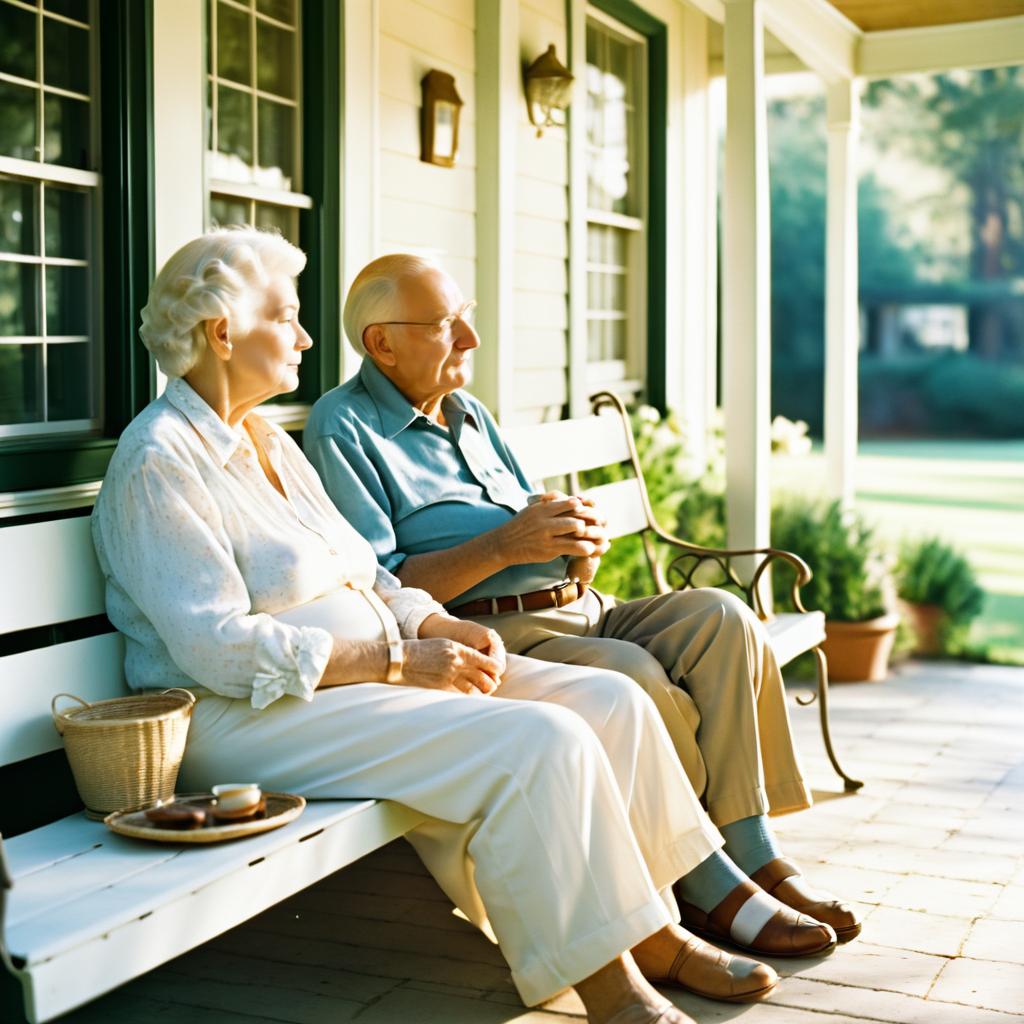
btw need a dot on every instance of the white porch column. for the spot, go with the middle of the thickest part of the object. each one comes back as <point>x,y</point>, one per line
<point>746,342</point>
<point>841,302</point>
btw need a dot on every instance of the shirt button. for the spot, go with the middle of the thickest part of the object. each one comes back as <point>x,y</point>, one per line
<point>333,552</point>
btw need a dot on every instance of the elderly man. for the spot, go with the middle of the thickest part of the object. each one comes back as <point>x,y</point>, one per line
<point>419,467</point>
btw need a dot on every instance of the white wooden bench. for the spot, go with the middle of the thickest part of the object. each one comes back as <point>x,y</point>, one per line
<point>83,910</point>
<point>87,910</point>
<point>571,447</point>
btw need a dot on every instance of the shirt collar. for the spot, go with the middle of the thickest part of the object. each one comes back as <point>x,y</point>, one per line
<point>396,413</point>
<point>221,439</point>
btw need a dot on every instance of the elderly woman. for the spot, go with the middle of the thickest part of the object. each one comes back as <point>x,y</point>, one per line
<point>556,807</point>
<point>418,466</point>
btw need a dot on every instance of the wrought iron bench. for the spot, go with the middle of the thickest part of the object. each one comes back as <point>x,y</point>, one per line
<point>571,447</point>
<point>83,910</point>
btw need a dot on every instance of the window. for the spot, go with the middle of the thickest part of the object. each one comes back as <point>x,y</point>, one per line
<point>616,122</point>
<point>273,134</point>
<point>255,114</point>
<point>50,361</point>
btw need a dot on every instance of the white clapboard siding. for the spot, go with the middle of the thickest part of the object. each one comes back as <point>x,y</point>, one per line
<point>92,669</point>
<point>403,65</point>
<point>428,30</point>
<point>554,449</point>
<point>79,944</point>
<point>540,389</point>
<point>548,275</point>
<point>49,574</point>
<point>540,309</point>
<point>541,237</point>
<point>455,188</point>
<point>621,504</point>
<point>540,349</point>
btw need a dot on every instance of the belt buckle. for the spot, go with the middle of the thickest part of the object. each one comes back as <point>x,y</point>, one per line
<point>556,591</point>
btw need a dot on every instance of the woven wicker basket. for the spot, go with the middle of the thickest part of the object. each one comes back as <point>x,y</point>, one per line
<point>125,752</point>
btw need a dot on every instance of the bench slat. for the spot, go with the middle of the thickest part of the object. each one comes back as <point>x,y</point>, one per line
<point>621,504</point>
<point>92,669</point>
<point>103,959</point>
<point>54,569</point>
<point>553,449</point>
<point>55,909</point>
<point>792,633</point>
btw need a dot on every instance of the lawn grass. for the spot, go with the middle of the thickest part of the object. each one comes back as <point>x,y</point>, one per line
<point>970,493</point>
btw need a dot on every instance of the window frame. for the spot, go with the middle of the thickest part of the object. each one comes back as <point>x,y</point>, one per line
<point>123,218</point>
<point>655,151</point>
<point>318,204</point>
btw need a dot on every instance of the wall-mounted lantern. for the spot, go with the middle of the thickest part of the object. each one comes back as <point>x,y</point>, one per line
<point>439,119</point>
<point>548,90</point>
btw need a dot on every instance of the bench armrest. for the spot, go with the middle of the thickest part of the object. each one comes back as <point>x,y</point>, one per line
<point>684,566</point>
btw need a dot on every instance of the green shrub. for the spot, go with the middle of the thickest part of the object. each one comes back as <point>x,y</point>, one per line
<point>930,571</point>
<point>850,578</point>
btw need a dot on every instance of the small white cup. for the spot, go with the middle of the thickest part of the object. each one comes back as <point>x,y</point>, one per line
<point>236,796</point>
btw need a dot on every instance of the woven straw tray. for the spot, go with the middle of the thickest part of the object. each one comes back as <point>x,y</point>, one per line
<point>281,809</point>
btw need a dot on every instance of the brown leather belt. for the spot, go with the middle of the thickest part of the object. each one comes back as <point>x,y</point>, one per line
<point>556,597</point>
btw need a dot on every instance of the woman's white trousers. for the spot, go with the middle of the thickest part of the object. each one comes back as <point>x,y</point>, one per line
<point>557,807</point>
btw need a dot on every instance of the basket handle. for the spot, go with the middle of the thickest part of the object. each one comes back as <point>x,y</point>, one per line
<point>58,715</point>
<point>180,689</point>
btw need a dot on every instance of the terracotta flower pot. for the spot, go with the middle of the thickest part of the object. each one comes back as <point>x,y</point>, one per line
<point>859,651</point>
<point>927,621</point>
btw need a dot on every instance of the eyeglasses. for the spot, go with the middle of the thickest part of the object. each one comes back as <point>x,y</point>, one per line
<point>465,313</point>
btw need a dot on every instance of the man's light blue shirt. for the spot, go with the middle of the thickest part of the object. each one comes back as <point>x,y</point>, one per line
<point>410,486</point>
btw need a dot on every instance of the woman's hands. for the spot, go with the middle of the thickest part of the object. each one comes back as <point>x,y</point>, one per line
<point>456,655</point>
<point>554,524</point>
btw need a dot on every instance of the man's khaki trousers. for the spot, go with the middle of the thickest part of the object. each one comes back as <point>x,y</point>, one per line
<point>704,658</point>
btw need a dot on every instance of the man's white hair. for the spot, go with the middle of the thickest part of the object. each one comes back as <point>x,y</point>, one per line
<point>220,273</point>
<point>373,297</point>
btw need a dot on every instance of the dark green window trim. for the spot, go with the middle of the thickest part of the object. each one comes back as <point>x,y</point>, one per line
<point>656,33</point>
<point>125,34</point>
<point>320,228</point>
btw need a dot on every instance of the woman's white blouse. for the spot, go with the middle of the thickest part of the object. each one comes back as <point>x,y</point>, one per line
<point>201,553</point>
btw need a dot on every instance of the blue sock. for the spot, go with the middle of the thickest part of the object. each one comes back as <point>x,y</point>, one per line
<point>710,882</point>
<point>750,842</point>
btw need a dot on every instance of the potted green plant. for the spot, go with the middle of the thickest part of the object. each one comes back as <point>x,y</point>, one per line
<point>851,584</point>
<point>940,591</point>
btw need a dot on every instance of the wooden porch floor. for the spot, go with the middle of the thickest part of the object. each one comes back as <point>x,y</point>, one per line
<point>933,848</point>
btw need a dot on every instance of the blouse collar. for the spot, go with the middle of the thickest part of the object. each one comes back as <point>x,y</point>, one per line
<point>221,439</point>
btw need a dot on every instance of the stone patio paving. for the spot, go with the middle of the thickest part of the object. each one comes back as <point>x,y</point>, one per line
<point>932,848</point>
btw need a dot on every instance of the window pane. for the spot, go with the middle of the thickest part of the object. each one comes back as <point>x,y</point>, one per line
<point>65,56</point>
<point>68,382</point>
<point>19,299</point>
<point>277,144</point>
<point>595,340</point>
<point>17,217</point>
<point>67,222</point>
<point>234,123</point>
<point>225,210</point>
<point>283,218</point>
<point>275,65</point>
<point>233,44</point>
<point>17,42</point>
<point>67,300</point>
<point>606,291</point>
<point>66,131</point>
<point>77,9</point>
<point>21,378</point>
<point>282,10</point>
<point>18,121</point>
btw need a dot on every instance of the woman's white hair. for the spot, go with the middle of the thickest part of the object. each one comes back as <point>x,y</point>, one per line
<point>218,274</point>
<point>373,297</point>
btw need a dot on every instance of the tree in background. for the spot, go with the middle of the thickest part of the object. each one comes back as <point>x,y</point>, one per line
<point>971,124</point>
<point>797,156</point>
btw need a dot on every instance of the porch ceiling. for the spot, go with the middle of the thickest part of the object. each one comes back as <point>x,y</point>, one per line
<point>878,15</point>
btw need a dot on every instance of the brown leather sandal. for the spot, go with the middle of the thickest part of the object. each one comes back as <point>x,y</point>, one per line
<point>750,920</point>
<point>783,880</point>
<point>708,971</point>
